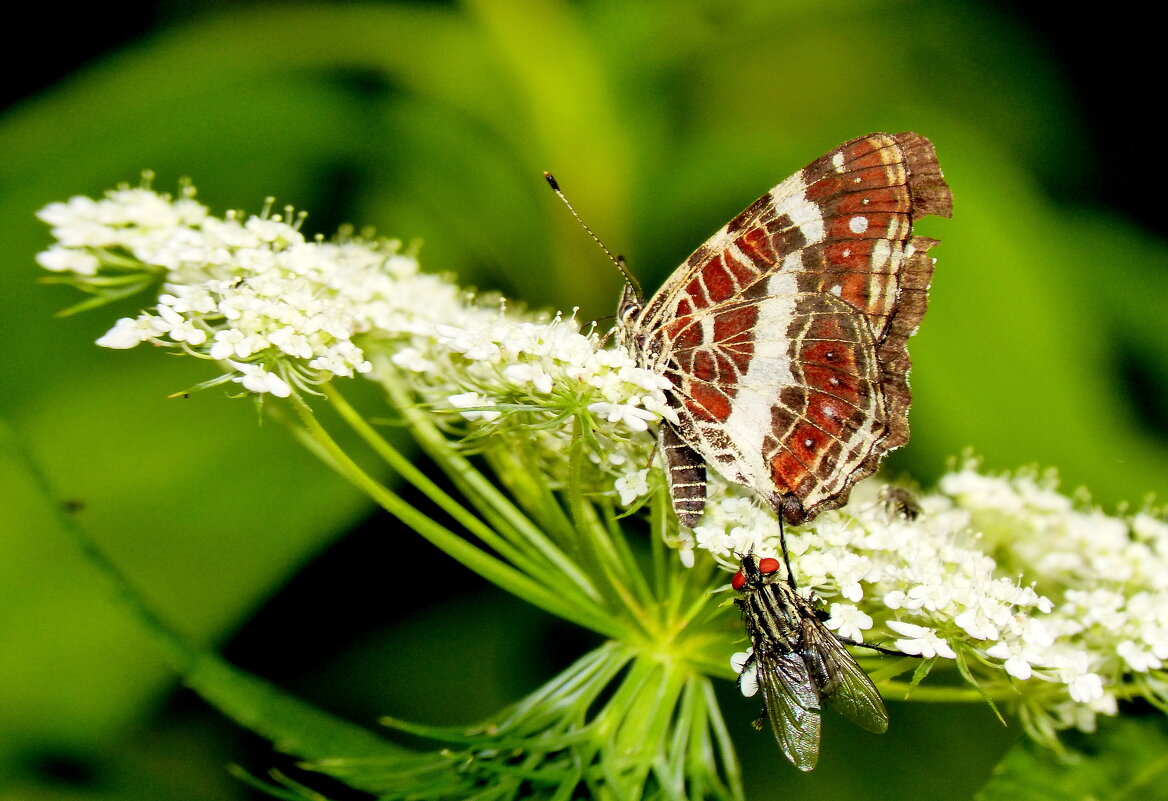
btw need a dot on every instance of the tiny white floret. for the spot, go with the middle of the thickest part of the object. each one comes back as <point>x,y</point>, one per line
<point>920,641</point>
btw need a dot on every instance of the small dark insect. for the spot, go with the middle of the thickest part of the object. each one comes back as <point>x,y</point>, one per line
<point>899,502</point>
<point>799,662</point>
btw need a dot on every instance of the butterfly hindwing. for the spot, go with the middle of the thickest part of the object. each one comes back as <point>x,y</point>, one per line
<point>784,335</point>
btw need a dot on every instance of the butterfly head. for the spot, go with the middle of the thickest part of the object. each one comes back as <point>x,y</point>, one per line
<point>627,310</point>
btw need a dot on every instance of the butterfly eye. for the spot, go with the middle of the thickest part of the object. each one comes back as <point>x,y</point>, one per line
<point>767,566</point>
<point>738,581</point>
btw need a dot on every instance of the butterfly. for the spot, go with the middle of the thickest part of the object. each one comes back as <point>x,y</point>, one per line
<point>798,662</point>
<point>784,336</point>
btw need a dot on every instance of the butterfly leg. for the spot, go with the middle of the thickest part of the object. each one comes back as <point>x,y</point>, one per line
<point>786,555</point>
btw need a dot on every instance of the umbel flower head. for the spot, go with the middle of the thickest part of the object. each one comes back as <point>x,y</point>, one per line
<point>1054,608</point>
<point>1044,606</point>
<point>277,311</point>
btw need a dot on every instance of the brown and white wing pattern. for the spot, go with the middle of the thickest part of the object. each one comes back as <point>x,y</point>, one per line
<point>785,334</point>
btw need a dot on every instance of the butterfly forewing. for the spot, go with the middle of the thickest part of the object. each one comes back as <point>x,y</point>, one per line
<point>784,335</point>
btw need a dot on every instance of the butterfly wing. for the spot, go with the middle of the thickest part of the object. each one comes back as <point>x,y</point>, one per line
<point>784,335</point>
<point>792,705</point>
<point>840,680</point>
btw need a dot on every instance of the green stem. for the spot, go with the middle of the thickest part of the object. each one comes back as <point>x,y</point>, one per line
<point>532,550</point>
<point>470,482</point>
<point>177,653</point>
<point>416,478</point>
<point>597,547</point>
<point>900,691</point>
<point>487,566</point>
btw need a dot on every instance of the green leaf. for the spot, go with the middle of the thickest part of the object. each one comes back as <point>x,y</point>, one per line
<point>1126,759</point>
<point>293,726</point>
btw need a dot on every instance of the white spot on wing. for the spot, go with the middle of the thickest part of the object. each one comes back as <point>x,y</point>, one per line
<point>858,225</point>
<point>783,282</point>
<point>837,161</point>
<point>792,263</point>
<point>789,198</point>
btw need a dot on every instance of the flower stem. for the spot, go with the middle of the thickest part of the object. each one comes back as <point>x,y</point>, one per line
<point>489,567</point>
<point>532,550</point>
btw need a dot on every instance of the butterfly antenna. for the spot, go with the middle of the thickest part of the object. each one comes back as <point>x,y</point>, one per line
<point>619,261</point>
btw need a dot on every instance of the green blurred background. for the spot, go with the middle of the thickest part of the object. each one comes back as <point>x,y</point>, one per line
<point>1044,343</point>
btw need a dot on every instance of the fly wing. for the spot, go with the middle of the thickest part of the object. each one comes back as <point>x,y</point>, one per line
<point>792,706</point>
<point>843,682</point>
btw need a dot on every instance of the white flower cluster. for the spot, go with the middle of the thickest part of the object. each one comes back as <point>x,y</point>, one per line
<point>499,360</point>
<point>250,293</point>
<point>494,368</point>
<point>1004,569</point>
<point>279,311</point>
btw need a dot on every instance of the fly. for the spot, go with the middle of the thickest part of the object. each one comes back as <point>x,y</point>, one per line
<point>798,662</point>
<point>899,502</point>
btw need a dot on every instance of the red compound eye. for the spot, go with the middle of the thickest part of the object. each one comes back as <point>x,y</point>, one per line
<point>768,565</point>
<point>738,581</point>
